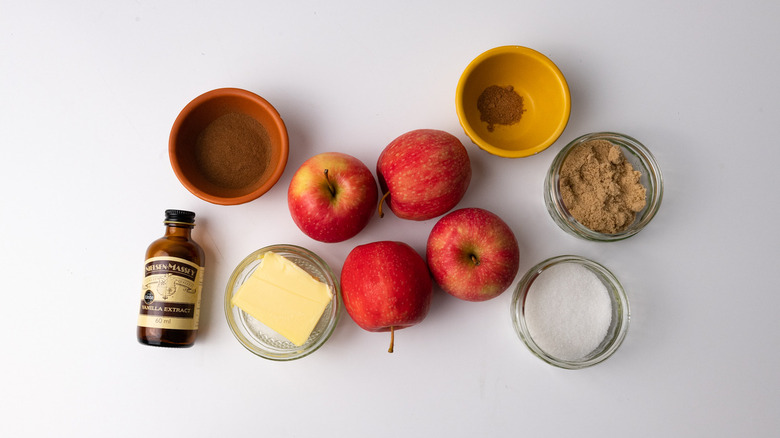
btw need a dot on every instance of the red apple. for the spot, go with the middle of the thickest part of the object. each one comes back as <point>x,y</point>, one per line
<point>332,196</point>
<point>386,286</point>
<point>423,173</point>
<point>473,254</point>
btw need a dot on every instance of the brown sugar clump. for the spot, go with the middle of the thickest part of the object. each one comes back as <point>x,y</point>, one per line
<point>500,106</point>
<point>600,188</point>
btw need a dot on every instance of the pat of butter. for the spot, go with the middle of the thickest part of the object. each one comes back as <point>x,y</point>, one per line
<point>284,297</point>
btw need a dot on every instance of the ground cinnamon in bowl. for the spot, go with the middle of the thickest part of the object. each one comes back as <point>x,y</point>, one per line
<point>499,105</point>
<point>233,151</point>
<point>228,146</point>
<point>600,188</point>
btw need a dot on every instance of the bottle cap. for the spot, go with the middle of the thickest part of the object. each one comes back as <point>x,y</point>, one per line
<point>179,216</point>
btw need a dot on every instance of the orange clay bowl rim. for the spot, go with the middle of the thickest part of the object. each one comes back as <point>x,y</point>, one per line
<point>277,124</point>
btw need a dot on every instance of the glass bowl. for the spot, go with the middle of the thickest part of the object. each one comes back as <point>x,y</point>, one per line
<point>640,158</point>
<point>256,336</point>
<point>615,331</point>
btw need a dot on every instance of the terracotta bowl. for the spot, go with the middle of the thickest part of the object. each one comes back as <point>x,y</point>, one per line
<point>189,165</point>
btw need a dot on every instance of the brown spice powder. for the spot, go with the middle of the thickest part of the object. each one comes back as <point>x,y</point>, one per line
<point>233,151</point>
<point>600,188</point>
<point>500,106</point>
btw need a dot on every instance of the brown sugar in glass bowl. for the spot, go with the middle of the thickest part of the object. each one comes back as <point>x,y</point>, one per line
<point>228,146</point>
<point>641,161</point>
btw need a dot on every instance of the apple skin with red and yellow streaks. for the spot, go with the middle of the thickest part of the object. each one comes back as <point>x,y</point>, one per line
<point>426,173</point>
<point>336,205</point>
<point>386,284</point>
<point>473,254</point>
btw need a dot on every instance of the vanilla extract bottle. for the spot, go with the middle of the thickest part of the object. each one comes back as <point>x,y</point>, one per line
<point>173,277</point>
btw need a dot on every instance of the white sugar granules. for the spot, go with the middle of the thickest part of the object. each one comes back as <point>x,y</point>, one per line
<point>568,311</point>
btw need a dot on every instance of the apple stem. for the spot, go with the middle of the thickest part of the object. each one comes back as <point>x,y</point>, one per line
<point>392,339</point>
<point>474,260</point>
<point>381,214</point>
<point>330,186</point>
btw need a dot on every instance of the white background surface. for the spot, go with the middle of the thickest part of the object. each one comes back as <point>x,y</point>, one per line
<point>90,89</point>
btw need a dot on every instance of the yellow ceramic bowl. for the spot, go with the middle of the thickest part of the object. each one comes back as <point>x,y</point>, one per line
<point>545,93</point>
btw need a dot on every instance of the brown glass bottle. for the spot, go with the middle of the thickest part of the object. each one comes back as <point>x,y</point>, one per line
<point>173,275</point>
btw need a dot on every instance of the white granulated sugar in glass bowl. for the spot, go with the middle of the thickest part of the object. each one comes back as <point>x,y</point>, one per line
<point>568,311</point>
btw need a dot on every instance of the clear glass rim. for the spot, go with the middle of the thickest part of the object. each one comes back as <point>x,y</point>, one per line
<point>637,154</point>
<point>618,329</point>
<point>311,345</point>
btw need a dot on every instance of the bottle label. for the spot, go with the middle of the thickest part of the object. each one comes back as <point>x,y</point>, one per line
<point>170,296</point>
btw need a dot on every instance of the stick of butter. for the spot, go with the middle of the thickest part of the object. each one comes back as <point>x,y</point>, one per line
<point>284,297</point>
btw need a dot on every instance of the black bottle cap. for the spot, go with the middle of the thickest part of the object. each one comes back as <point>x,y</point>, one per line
<point>180,216</point>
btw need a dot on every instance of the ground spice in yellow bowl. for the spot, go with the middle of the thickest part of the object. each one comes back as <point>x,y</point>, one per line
<point>512,101</point>
<point>500,106</point>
